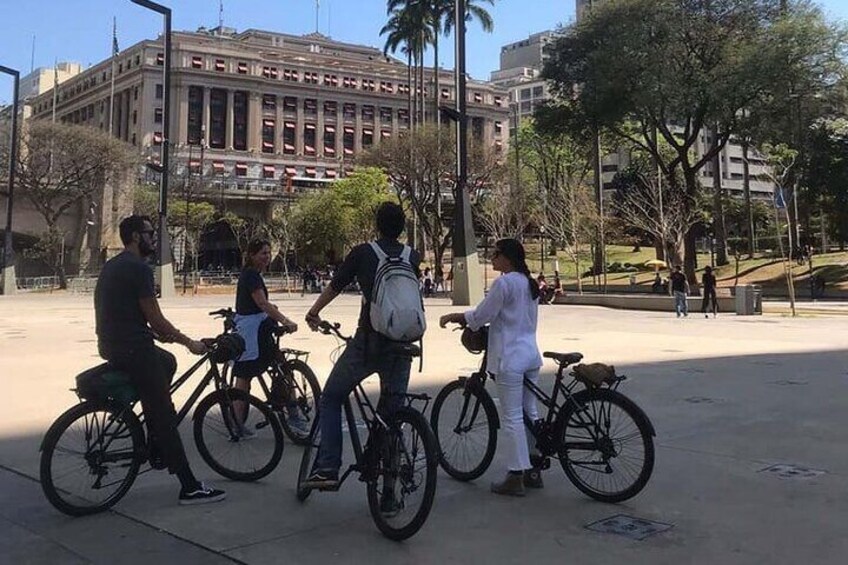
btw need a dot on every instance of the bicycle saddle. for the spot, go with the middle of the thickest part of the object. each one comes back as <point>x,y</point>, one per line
<point>564,358</point>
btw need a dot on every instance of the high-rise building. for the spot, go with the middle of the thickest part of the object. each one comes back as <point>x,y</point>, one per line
<point>42,79</point>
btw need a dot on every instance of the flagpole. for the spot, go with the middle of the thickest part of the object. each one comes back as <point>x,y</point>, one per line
<point>55,87</point>
<point>112,90</point>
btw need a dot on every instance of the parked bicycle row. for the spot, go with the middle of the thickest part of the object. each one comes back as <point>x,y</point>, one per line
<point>262,391</point>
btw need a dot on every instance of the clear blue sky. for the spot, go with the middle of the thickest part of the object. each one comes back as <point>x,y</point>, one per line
<point>80,30</point>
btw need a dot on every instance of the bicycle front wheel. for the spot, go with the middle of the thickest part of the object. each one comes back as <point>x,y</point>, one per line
<point>402,474</point>
<point>465,422</point>
<point>90,457</point>
<point>298,402</point>
<point>237,435</point>
<point>606,445</point>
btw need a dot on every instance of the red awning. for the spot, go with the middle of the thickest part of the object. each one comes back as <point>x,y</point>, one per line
<point>268,123</point>
<point>268,144</point>
<point>368,131</point>
<point>348,151</point>
<point>310,126</point>
<point>330,173</point>
<point>289,147</point>
<point>329,150</point>
<point>218,166</point>
<point>330,129</point>
<point>291,171</point>
<point>157,137</point>
<point>310,171</point>
<point>309,149</point>
<point>268,168</point>
<point>194,164</point>
<point>348,130</point>
<point>241,166</point>
<point>385,134</point>
<point>291,125</point>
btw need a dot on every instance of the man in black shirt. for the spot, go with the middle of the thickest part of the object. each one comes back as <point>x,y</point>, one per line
<point>127,317</point>
<point>708,282</point>
<point>367,353</point>
<point>680,289</point>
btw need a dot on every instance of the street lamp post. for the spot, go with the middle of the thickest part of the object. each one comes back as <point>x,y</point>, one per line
<point>165,269</point>
<point>542,238</point>
<point>9,286</point>
<point>466,271</point>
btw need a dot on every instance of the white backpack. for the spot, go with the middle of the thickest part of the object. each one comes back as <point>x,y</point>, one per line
<point>397,310</point>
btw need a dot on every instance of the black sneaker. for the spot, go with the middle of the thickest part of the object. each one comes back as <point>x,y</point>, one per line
<point>202,495</point>
<point>390,506</point>
<point>322,479</point>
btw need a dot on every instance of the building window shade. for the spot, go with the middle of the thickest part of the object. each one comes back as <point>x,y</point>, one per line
<point>310,172</point>
<point>330,173</point>
<point>197,62</point>
<point>218,167</point>
<point>220,65</point>
<point>242,68</point>
<point>268,171</point>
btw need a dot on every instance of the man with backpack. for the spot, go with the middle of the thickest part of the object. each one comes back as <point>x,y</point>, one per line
<point>392,312</point>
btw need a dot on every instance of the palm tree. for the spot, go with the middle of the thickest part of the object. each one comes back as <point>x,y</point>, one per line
<point>407,27</point>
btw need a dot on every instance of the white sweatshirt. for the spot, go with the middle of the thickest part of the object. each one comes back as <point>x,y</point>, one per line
<point>512,315</point>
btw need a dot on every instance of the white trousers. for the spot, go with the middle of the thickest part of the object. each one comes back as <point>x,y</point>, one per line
<point>515,401</point>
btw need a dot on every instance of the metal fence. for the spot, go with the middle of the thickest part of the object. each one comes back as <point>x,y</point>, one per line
<point>85,284</point>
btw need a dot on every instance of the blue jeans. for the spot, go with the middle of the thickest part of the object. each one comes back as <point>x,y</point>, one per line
<point>681,305</point>
<point>361,358</point>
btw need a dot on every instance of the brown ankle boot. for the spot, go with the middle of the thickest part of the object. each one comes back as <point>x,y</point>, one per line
<point>512,485</point>
<point>533,478</point>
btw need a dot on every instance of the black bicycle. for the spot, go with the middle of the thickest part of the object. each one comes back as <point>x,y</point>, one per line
<point>289,385</point>
<point>92,453</point>
<point>603,440</point>
<point>399,460</point>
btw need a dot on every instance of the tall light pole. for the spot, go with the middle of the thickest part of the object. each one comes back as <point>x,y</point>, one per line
<point>466,272</point>
<point>9,286</point>
<point>165,269</point>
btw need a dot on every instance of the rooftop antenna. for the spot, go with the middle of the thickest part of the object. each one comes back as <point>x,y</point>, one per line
<point>32,60</point>
<point>317,15</point>
<point>220,16</point>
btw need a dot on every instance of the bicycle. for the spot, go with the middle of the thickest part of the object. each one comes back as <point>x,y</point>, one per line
<point>294,390</point>
<point>399,460</point>
<point>92,454</point>
<point>581,428</point>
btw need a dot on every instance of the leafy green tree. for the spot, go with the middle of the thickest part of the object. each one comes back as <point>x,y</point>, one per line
<point>826,176</point>
<point>651,70</point>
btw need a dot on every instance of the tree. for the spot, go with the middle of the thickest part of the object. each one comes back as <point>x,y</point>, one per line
<point>826,176</point>
<point>421,168</point>
<point>672,68</point>
<point>62,166</point>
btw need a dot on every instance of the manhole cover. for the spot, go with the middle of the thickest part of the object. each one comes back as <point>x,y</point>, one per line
<point>788,471</point>
<point>787,382</point>
<point>700,400</point>
<point>628,526</point>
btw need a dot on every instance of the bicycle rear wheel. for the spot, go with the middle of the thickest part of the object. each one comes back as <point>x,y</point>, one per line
<point>606,445</point>
<point>244,451</point>
<point>298,402</point>
<point>402,478</point>
<point>90,457</point>
<point>310,453</point>
<point>465,423</point>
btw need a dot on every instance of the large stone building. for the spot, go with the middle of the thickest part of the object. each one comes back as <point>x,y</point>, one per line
<point>42,79</point>
<point>262,115</point>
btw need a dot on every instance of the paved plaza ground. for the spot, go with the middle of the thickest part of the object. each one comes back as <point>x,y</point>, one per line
<point>729,397</point>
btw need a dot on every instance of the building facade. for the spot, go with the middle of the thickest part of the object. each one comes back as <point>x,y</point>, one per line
<point>42,79</point>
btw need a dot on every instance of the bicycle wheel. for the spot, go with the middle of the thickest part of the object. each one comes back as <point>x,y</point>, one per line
<point>465,422</point>
<point>90,457</point>
<point>241,452</point>
<point>402,475</point>
<point>606,445</point>
<point>300,392</point>
<point>310,453</point>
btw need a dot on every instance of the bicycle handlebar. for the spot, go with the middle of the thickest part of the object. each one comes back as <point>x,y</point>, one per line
<point>223,313</point>
<point>327,328</point>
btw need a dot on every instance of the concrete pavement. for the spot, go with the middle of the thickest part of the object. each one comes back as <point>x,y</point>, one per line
<point>730,397</point>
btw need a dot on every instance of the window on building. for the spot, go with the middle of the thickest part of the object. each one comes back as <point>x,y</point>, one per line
<point>289,104</point>
<point>159,91</point>
<point>385,134</point>
<point>478,98</point>
<point>270,72</point>
<point>135,93</point>
<point>368,113</point>
<point>385,115</point>
<point>498,128</point>
<point>242,68</point>
<point>291,74</point>
<point>349,111</point>
<point>269,102</point>
<point>538,91</point>
<point>310,106</point>
<point>157,138</point>
<point>331,109</point>
<point>526,93</point>
<point>498,101</point>
<point>477,128</point>
<point>217,118</point>
<point>403,117</point>
<point>160,59</point>
<point>137,60</point>
<point>348,140</point>
<point>330,141</point>
<point>445,93</point>
<point>197,62</point>
<point>241,169</point>
<point>268,171</point>
<point>195,115</point>
<point>367,137</point>
<point>309,139</point>
<point>240,120</point>
<point>289,133</point>
<point>157,116</point>
<point>220,65</point>
<point>498,145</point>
<point>350,82</point>
<point>269,132</point>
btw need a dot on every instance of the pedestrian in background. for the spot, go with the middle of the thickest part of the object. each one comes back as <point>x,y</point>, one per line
<point>708,282</point>
<point>680,290</point>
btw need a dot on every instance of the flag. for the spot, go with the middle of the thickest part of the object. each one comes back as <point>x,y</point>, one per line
<point>115,48</point>
<point>779,198</point>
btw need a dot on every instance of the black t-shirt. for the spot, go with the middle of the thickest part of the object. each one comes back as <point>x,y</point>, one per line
<point>708,281</point>
<point>678,282</point>
<point>249,280</point>
<point>361,265</point>
<point>120,323</point>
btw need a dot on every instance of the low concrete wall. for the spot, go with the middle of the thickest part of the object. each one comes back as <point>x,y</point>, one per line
<point>651,302</point>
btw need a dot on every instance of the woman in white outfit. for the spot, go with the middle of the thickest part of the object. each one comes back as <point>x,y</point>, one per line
<point>511,308</point>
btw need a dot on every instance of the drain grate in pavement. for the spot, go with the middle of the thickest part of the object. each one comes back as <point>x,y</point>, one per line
<point>789,382</point>
<point>628,526</point>
<point>700,400</point>
<point>789,471</point>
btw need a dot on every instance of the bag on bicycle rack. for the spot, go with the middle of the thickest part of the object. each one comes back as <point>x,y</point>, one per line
<point>102,382</point>
<point>594,375</point>
<point>228,347</point>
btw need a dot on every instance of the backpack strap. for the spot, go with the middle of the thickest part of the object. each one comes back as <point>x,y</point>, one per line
<point>378,251</point>
<point>406,254</point>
